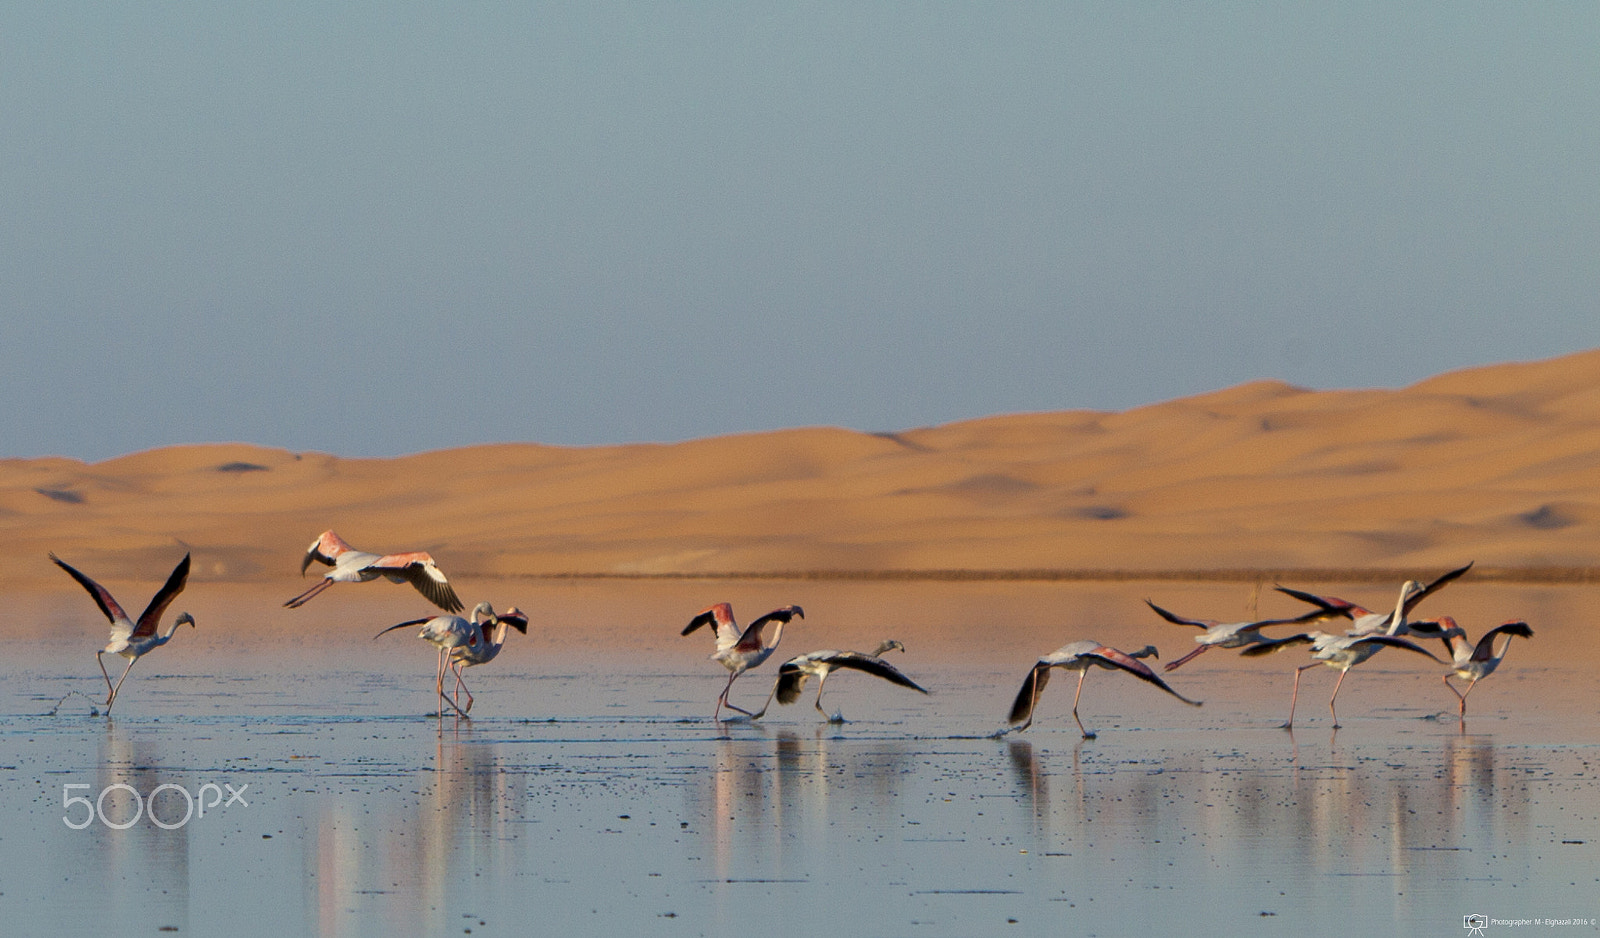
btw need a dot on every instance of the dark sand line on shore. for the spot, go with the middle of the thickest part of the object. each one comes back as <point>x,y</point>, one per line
<point>1533,575</point>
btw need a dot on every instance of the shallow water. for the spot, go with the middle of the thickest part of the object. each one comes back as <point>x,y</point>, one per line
<point>593,794</point>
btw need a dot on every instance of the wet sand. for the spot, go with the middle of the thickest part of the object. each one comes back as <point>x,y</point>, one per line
<point>592,792</point>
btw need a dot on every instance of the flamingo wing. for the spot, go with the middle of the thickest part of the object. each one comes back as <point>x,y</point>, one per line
<point>1394,642</point>
<point>404,624</point>
<point>1137,668</point>
<point>1438,584</point>
<point>872,665</point>
<point>419,569</point>
<point>750,639</point>
<point>1485,648</point>
<point>713,616</point>
<point>1329,605</point>
<point>1032,687</point>
<point>1312,616</point>
<point>151,617</point>
<point>791,681</point>
<point>1268,647</point>
<point>121,625</point>
<point>1176,619</point>
<point>515,618</point>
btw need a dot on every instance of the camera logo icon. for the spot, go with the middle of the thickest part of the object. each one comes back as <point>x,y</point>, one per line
<point>1474,924</point>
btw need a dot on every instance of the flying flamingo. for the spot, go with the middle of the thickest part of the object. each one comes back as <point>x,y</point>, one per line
<point>1366,622</point>
<point>1228,634</point>
<point>1340,652</point>
<point>133,641</point>
<point>1080,656</point>
<point>491,637</point>
<point>1475,662</point>
<point>358,566</point>
<point>448,633</point>
<point>739,651</point>
<point>792,674</point>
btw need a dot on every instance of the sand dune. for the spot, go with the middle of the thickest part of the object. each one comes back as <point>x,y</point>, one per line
<point>1500,465</point>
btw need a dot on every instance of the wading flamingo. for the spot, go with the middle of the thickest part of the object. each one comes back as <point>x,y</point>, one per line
<point>447,633</point>
<point>1366,622</point>
<point>358,566</point>
<point>1228,634</point>
<point>739,651</point>
<point>1080,657</point>
<point>792,674</point>
<point>128,639</point>
<point>491,637</point>
<point>1340,652</point>
<point>1471,662</point>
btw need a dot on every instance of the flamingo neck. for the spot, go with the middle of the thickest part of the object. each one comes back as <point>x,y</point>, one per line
<point>1399,618</point>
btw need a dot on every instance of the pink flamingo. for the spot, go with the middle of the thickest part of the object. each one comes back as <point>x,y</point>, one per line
<point>792,674</point>
<point>491,637</point>
<point>1474,662</point>
<point>358,566</point>
<point>1366,622</point>
<point>1340,652</point>
<point>1080,657</point>
<point>448,633</point>
<point>739,651</point>
<point>129,639</point>
<point>1227,634</point>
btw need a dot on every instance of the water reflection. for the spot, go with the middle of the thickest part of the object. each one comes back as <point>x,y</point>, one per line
<point>609,820</point>
<point>1428,816</point>
<point>143,861</point>
<point>409,870</point>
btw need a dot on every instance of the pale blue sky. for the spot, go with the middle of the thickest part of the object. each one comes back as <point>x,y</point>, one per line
<point>374,229</point>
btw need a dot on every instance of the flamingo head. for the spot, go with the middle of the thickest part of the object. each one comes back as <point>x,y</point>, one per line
<point>888,646</point>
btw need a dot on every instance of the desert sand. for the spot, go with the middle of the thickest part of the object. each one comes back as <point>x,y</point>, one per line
<point>1500,465</point>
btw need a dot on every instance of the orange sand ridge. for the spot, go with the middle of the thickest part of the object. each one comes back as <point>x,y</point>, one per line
<point>1499,464</point>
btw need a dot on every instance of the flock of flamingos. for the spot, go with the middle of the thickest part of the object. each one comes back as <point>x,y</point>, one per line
<point>466,642</point>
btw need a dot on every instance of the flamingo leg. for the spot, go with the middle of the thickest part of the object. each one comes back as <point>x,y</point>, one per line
<point>1179,663</point>
<point>1295,698</point>
<point>102,663</point>
<point>1463,696</point>
<point>821,681</point>
<point>462,686</point>
<point>1081,675</point>
<point>114,690</point>
<point>722,698</point>
<point>733,706</point>
<point>307,596</point>
<point>1336,696</point>
<point>770,694</point>
<point>438,684</point>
